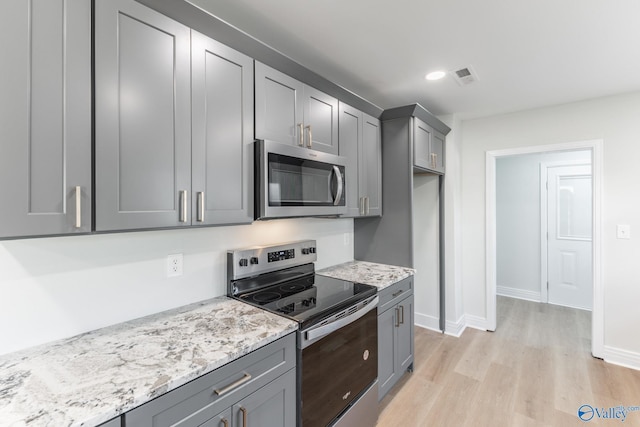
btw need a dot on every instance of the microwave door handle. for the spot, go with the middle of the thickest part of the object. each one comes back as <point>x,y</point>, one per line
<point>338,175</point>
<point>324,330</point>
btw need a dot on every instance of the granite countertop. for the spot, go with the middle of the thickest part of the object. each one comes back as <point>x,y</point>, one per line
<point>370,273</point>
<point>94,377</point>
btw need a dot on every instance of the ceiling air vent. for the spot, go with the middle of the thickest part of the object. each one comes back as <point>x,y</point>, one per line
<point>465,76</point>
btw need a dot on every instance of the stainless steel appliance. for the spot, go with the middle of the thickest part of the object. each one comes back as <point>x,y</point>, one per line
<point>294,181</point>
<point>337,339</point>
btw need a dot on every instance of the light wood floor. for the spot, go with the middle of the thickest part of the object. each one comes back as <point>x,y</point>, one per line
<point>535,370</point>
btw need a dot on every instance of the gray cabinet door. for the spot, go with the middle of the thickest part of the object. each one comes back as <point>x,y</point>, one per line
<point>142,118</point>
<point>272,405</point>
<point>278,106</point>
<point>45,118</point>
<point>370,166</point>
<point>116,422</point>
<point>320,120</point>
<point>437,148</point>
<point>428,147</point>
<point>405,333</point>
<point>222,133</point>
<point>350,137</point>
<point>386,351</point>
<point>421,144</point>
<point>223,419</point>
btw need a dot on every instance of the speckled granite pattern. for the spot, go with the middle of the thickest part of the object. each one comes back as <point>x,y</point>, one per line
<point>91,378</point>
<point>380,275</point>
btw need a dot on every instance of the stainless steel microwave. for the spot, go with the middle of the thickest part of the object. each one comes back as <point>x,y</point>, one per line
<point>295,181</point>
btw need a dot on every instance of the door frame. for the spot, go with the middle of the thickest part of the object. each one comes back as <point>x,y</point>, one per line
<point>597,314</point>
<point>544,262</point>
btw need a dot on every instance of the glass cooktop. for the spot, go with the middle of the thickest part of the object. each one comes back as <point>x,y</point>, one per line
<point>309,298</point>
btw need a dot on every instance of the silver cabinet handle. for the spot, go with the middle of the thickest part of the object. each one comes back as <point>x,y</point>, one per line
<point>336,171</point>
<point>225,423</point>
<point>402,314</point>
<point>300,134</point>
<point>366,201</point>
<point>183,206</point>
<point>397,317</point>
<point>220,391</point>
<point>310,140</point>
<point>395,294</point>
<point>200,217</point>
<point>78,206</point>
<point>244,416</point>
<point>361,205</point>
<point>434,157</point>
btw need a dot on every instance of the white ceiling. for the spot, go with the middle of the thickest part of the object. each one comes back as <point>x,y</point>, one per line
<point>527,54</point>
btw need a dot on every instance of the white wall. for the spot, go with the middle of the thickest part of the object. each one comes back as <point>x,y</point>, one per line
<point>615,121</point>
<point>54,288</point>
<point>518,221</point>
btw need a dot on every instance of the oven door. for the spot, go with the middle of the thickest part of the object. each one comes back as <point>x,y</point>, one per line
<point>295,181</point>
<point>338,367</point>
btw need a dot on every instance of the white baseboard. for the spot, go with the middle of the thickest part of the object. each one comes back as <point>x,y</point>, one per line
<point>427,322</point>
<point>617,356</point>
<point>455,329</point>
<point>476,322</point>
<point>518,293</point>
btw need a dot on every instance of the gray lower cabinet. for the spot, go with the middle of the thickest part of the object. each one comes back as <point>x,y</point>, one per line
<point>395,334</point>
<point>173,123</point>
<point>116,422</point>
<point>258,389</point>
<point>45,118</point>
<point>360,143</point>
<point>294,113</point>
<point>428,148</point>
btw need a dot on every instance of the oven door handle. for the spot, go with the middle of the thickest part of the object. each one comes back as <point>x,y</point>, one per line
<point>321,331</point>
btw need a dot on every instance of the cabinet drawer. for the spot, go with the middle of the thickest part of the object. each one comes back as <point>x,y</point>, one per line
<point>394,293</point>
<point>203,398</point>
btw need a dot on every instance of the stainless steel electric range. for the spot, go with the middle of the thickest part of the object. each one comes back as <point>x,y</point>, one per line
<point>337,338</point>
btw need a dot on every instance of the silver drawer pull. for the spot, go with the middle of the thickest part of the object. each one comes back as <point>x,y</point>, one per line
<point>244,416</point>
<point>244,379</point>
<point>78,207</point>
<point>395,294</point>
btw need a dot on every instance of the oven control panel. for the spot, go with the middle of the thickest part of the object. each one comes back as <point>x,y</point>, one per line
<point>281,255</point>
<point>247,262</point>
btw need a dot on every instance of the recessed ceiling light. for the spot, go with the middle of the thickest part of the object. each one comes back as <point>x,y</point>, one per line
<point>435,75</point>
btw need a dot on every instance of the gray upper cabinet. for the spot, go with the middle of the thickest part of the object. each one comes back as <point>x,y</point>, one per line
<point>359,136</point>
<point>370,166</point>
<point>45,118</point>
<point>222,133</point>
<point>291,112</point>
<point>278,106</point>
<point>143,118</point>
<point>174,123</point>
<point>428,148</point>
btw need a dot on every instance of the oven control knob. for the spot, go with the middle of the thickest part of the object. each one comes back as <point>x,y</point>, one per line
<point>312,250</point>
<point>244,262</point>
<point>254,260</point>
<point>305,251</point>
<point>306,302</point>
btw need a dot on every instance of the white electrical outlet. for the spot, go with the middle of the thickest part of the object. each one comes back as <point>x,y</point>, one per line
<point>174,265</point>
<point>623,231</point>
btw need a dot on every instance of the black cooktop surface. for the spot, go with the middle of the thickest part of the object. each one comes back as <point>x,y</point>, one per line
<point>309,298</point>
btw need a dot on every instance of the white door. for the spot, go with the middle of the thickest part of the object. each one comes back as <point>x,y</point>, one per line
<point>569,219</point>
